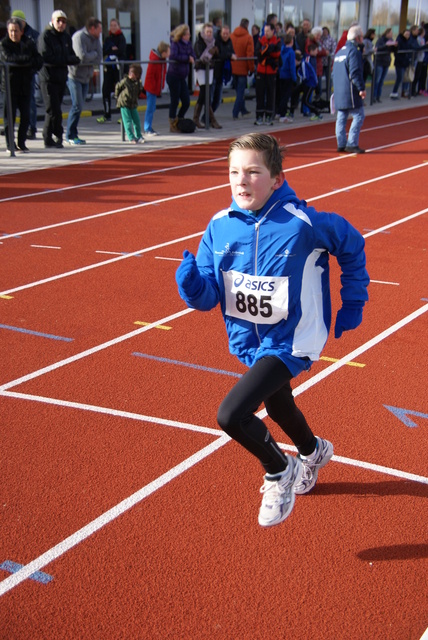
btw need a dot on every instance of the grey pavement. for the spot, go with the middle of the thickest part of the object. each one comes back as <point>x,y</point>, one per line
<point>105,140</point>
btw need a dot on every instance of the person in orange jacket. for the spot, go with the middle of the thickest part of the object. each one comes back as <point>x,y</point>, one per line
<point>243,45</point>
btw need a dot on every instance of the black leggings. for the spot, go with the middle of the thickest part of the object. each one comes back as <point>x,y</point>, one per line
<point>267,381</point>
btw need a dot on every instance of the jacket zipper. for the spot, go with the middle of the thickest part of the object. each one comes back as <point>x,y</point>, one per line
<point>257,228</point>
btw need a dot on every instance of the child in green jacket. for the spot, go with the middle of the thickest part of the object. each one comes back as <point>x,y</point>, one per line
<point>127,92</point>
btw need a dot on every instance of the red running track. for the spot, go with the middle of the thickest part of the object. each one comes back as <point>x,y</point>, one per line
<point>117,485</point>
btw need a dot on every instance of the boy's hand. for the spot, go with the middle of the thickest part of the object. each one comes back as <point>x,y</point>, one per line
<point>187,275</point>
<point>348,317</point>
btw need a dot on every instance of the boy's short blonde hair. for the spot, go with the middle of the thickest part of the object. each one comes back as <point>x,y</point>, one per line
<point>163,46</point>
<point>272,152</point>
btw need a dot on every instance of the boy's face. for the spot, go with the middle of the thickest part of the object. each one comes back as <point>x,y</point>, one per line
<point>250,179</point>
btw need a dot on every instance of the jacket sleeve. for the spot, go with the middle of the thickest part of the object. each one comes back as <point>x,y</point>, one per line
<point>209,296</point>
<point>344,242</point>
<point>355,69</point>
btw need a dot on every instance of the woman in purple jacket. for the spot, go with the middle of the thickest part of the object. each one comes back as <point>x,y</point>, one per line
<point>180,59</point>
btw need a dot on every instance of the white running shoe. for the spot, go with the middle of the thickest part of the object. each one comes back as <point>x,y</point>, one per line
<point>278,495</point>
<point>311,467</point>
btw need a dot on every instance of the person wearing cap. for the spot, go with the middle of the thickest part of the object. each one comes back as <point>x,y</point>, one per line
<point>56,48</point>
<point>21,54</point>
<point>29,32</point>
<point>87,46</point>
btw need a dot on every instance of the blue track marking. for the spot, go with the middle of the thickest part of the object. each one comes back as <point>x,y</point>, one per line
<point>188,364</point>
<point>38,576</point>
<point>36,333</point>
<point>403,415</point>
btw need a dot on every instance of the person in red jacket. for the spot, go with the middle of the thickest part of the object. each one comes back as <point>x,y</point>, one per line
<point>154,83</point>
<point>268,52</point>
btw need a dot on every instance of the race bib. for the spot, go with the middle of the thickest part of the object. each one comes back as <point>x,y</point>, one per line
<point>258,299</point>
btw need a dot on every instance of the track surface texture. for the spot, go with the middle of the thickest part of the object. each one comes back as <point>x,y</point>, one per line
<point>125,511</point>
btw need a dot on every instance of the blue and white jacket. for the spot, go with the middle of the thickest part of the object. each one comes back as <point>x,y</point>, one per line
<point>269,271</point>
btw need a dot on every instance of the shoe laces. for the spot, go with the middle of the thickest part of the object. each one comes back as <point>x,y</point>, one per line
<point>272,493</point>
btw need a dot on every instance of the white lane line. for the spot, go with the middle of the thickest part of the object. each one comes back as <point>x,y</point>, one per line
<point>43,246</point>
<point>221,186</point>
<point>96,183</point>
<point>112,412</point>
<point>222,158</point>
<point>86,531</point>
<point>92,350</point>
<point>198,429</point>
<point>104,214</point>
<point>178,240</point>
<point>396,284</point>
<point>74,272</point>
<point>397,473</point>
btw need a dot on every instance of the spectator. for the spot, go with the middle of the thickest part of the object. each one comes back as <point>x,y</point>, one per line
<point>403,59</point>
<point>20,51</point>
<point>255,32</point>
<point>29,32</point>
<point>272,19</point>
<point>127,92</point>
<point>383,48</point>
<point>206,52</point>
<point>290,30</point>
<point>287,76</point>
<point>423,76</point>
<point>329,44</point>
<point>344,36</point>
<point>56,48</point>
<point>87,46</point>
<point>243,46</point>
<point>222,65</point>
<point>315,38</point>
<point>302,36</point>
<point>306,83</point>
<point>368,51</point>
<point>349,91</point>
<point>217,26</point>
<point>268,53</point>
<point>416,43</point>
<point>180,59</point>
<point>154,83</point>
<point>418,87</point>
<point>114,49</point>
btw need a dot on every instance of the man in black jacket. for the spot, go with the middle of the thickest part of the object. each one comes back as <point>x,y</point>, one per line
<point>34,35</point>
<point>21,54</point>
<point>57,51</point>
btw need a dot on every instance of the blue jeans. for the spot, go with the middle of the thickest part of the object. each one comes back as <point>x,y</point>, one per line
<point>357,116</point>
<point>78,91</point>
<point>150,110</point>
<point>381,73</point>
<point>240,84</point>
<point>399,75</point>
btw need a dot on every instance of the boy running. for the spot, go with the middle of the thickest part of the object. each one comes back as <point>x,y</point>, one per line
<point>265,260</point>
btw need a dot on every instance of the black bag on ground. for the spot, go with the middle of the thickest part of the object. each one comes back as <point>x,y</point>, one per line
<point>185,125</point>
